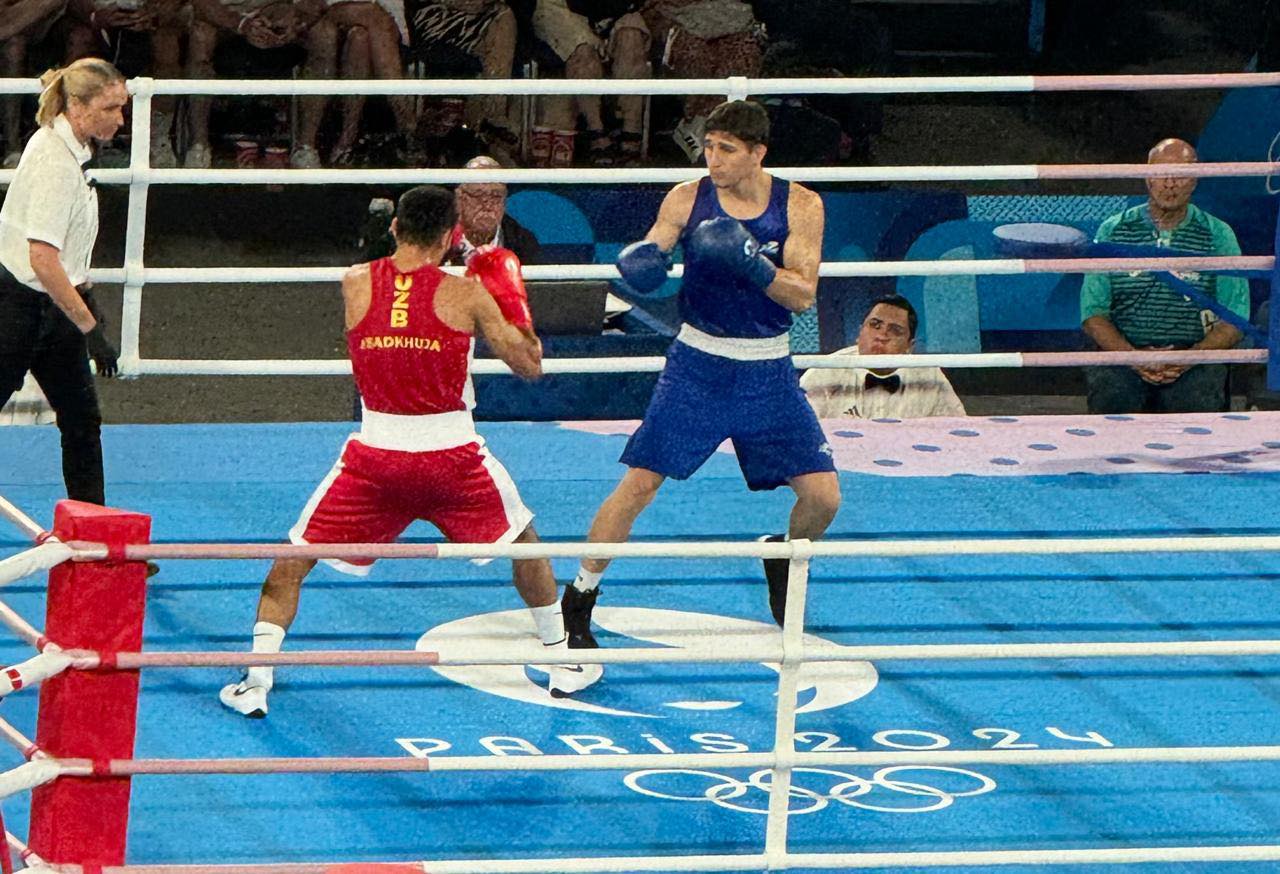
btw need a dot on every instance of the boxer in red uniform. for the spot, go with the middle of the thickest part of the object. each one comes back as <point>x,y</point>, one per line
<point>411,334</point>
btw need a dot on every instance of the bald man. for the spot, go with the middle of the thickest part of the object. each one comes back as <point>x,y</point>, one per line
<point>1127,311</point>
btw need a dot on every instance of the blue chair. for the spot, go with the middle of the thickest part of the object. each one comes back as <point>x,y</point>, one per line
<point>562,229</point>
<point>956,310</point>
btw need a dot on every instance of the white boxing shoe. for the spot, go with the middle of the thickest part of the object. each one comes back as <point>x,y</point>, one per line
<point>564,680</point>
<point>248,701</point>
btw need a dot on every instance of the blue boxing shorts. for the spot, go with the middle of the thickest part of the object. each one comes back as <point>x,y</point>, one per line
<point>701,400</point>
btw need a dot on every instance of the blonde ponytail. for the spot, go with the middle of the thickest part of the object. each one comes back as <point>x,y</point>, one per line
<point>80,81</point>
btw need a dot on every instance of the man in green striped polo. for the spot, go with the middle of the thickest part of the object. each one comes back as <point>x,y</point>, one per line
<point>1126,311</point>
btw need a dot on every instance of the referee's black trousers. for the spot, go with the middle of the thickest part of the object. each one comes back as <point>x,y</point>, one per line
<point>36,336</point>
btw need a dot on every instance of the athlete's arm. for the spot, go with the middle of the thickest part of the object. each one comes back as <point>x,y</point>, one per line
<point>673,215</point>
<point>796,284</point>
<point>643,265</point>
<point>519,348</point>
<point>357,289</point>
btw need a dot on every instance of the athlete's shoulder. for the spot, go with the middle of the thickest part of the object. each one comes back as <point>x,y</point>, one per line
<point>804,209</point>
<point>460,290</point>
<point>805,198</point>
<point>357,276</point>
<point>684,193</point>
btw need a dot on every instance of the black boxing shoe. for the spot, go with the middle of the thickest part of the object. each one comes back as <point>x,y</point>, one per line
<point>576,607</point>
<point>776,571</point>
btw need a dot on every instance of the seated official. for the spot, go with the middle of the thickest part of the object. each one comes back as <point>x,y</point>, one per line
<point>483,219</point>
<point>1121,312</point>
<point>909,393</point>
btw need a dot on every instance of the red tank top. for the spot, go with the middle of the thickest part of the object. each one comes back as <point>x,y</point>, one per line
<point>405,360</point>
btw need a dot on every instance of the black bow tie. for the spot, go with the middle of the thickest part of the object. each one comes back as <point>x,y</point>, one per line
<point>889,383</point>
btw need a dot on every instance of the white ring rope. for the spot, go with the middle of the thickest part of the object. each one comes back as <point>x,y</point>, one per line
<point>139,173</point>
<point>740,862</point>
<point>49,554</point>
<point>654,364</point>
<point>723,652</point>
<point>77,767</point>
<point>24,523</point>
<point>34,670</point>
<point>730,85</point>
<point>35,865</point>
<point>846,269</point>
<point>703,549</point>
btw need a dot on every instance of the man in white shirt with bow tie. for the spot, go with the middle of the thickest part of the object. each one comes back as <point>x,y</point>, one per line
<point>909,393</point>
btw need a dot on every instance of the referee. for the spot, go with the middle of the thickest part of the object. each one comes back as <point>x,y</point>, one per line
<point>48,224</point>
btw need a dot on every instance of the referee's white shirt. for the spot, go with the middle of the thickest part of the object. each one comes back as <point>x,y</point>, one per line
<point>925,391</point>
<point>50,200</point>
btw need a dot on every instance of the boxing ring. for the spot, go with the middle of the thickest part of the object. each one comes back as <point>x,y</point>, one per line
<point>1039,653</point>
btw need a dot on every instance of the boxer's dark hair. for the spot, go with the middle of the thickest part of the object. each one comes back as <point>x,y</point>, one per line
<point>743,119</point>
<point>423,214</point>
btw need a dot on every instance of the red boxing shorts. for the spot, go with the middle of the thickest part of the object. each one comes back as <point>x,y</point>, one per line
<point>372,495</point>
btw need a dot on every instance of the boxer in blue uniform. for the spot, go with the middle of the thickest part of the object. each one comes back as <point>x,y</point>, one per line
<point>752,246</point>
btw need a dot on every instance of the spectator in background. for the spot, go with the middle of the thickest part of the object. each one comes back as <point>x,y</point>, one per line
<point>483,219</point>
<point>484,33</point>
<point>258,26</point>
<point>101,28</point>
<point>910,393</point>
<point>22,22</point>
<point>823,38</point>
<point>587,36</point>
<point>353,39</point>
<point>311,30</point>
<point>1125,311</point>
<point>703,39</point>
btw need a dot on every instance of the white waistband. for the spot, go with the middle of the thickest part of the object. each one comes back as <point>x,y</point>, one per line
<point>737,348</point>
<point>418,433</point>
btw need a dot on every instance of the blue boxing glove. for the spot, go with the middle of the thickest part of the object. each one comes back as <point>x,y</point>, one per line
<point>644,266</point>
<point>725,243</point>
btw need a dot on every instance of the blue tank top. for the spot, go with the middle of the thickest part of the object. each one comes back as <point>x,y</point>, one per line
<point>724,306</point>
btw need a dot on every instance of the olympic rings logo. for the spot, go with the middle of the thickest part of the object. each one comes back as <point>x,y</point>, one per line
<point>850,790</point>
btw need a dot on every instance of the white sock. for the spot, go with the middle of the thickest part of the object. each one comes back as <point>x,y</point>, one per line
<point>587,581</point>
<point>550,623</point>
<point>267,637</point>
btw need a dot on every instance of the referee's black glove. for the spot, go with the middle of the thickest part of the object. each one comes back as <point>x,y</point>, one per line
<point>102,352</point>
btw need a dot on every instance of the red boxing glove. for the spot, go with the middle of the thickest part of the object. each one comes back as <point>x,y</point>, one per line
<point>499,271</point>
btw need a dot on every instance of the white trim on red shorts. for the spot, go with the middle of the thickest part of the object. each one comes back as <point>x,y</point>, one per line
<point>519,516</point>
<point>304,518</point>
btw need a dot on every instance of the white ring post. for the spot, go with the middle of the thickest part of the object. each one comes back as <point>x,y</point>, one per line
<point>136,228</point>
<point>784,750</point>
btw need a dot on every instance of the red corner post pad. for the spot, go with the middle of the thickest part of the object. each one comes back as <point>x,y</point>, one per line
<point>96,605</point>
